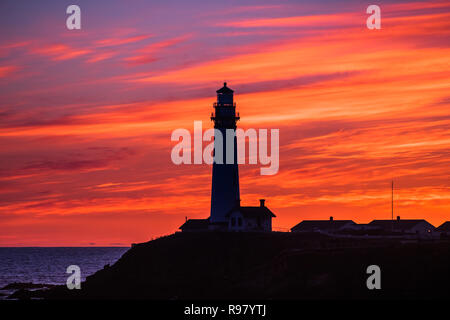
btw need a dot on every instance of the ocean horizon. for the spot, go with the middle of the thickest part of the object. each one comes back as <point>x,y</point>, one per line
<point>48,265</point>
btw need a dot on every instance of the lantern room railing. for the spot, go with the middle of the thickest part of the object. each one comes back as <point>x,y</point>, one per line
<point>215,105</point>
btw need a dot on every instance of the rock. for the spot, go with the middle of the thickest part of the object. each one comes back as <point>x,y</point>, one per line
<point>20,294</point>
<point>26,285</point>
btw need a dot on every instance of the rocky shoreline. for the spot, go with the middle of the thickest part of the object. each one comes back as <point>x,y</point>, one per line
<point>24,290</point>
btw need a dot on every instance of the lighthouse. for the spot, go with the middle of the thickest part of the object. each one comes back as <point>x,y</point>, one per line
<point>225,176</point>
<point>227,214</point>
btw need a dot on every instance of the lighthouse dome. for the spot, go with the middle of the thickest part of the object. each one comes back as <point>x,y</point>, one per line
<point>225,95</point>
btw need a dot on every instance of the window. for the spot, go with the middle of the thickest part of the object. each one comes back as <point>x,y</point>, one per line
<point>239,221</point>
<point>233,221</point>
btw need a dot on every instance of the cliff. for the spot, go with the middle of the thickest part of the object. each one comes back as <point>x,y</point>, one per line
<point>268,266</point>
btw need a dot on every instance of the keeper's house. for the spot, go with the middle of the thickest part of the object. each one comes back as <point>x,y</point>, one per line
<point>250,219</point>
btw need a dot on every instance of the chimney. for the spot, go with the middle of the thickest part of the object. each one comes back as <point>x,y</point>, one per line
<point>331,218</point>
<point>398,218</point>
<point>185,218</point>
<point>261,202</point>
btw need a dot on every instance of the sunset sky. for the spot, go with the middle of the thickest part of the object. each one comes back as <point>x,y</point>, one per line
<point>86,115</point>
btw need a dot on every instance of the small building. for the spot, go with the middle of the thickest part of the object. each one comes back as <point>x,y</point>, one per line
<point>195,225</point>
<point>238,219</point>
<point>329,226</point>
<point>363,227</point>
<point>250,218</point>
<point>444,229</point>
<point>419,226</point>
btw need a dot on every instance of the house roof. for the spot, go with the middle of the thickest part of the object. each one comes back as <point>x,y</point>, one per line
<point>225,89</point>
<point>444,227</point>
<point>397,224</point>
<point>195,224</point>
<point>253,212</point>
<point>310,225</point>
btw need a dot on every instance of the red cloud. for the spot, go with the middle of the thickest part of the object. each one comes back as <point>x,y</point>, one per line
<point>146,53</point>
<point>7,70</point>
<point>60,52</point>
<point>121,41</point>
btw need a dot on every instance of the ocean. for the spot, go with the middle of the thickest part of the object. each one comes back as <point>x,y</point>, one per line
<point>48,265</point>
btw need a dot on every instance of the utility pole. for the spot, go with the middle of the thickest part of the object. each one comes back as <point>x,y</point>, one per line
<point>392,202</point>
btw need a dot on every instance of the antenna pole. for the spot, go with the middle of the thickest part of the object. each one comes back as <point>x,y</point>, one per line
<point>392,202</point>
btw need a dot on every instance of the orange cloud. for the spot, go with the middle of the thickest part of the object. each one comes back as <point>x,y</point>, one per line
<point>355,108</point>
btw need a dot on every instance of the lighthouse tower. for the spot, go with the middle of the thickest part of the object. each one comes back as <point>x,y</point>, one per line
<point>225,176</point>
